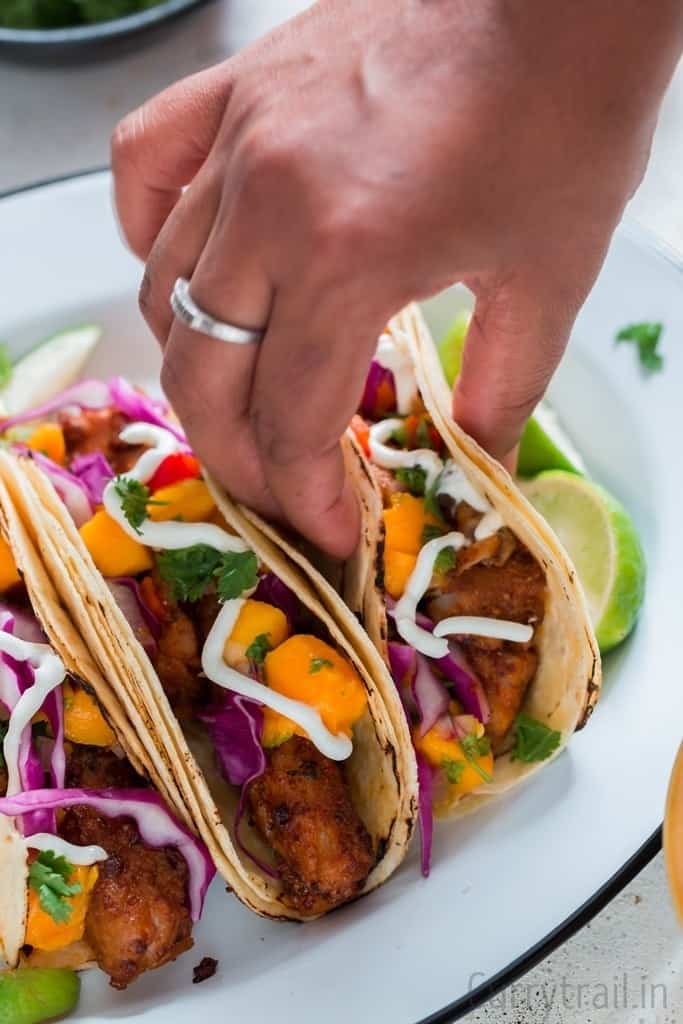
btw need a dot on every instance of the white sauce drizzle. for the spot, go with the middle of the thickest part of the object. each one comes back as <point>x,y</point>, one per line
<point>396,358</point>
<point>406,609</point>
<point>478,625</point>
<point>172,535</point>
<point>455,485</point>
<point>490,523</point>
<point>49,673</point>
<point>83,856</point>
<point>396,458</point>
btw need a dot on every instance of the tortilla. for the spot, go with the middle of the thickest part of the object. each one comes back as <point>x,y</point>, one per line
<point>380,772</point>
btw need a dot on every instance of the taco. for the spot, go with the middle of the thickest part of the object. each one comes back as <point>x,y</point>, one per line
<point>463,588</point>
<point>94,867</point>
<point>300,781</point>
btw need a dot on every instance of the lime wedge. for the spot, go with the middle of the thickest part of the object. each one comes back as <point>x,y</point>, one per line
<point>31,996</point>
<point>451,346</point>
<point>48,368</point>
<point>603,544</point>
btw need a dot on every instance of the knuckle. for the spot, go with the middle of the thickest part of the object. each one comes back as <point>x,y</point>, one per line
<point>124,140</point>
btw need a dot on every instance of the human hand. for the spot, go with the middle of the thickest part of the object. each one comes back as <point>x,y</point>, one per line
<point>364,155</point>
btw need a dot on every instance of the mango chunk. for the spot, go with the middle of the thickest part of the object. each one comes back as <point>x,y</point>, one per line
<point>9,577</point>
<point>398,568</point>
<point>83,720</point>
<point>112,550</point>
<point>404,523</point>
<point>48,438</point>
<point>256,618</point>
<point>445,752</point>
<point>42,932</point>
<point>188,500</point>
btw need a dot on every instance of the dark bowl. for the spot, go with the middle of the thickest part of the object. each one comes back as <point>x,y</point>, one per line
<point>52,41</point>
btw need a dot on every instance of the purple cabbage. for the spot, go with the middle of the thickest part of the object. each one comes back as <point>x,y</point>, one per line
<point>377,376</point>
<point>72,491</point>
<point>272,590</point>
<point>235,728</point>
<point>94,472</point>
<point>425,778</point>
<point>144,623</point>
<point>86,394</point>
<point>137,406</point>
<point>157,826</point>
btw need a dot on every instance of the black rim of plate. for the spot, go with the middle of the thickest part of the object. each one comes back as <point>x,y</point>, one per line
<point>96,31</point>
<point>585,913</point>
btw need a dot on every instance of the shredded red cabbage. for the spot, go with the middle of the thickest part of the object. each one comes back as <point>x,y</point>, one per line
<point>157,826</point>
<point>431,696</point>
<point>137,406</point>
<point>467,688</point>
<point>272,590</point>
<point>140,617</point>
<point>86,394</point>
<point>70,488</point>
<point>402,665</point>
<point>94,472</point>
<point>379,395</point>
<point>425,815</point>
<point>24,623</point>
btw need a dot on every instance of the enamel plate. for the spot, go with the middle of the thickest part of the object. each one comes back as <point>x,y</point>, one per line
<point>509,883</point>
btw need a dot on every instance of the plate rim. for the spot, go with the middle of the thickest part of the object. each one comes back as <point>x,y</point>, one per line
<point>632,867</point>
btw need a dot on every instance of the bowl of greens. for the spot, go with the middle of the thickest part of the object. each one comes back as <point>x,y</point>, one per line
<point>49,25</point>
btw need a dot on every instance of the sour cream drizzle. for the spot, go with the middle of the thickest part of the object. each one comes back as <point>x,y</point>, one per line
<point>83,856</point>
<point>49,673</point>
<point>396,358</point>
<point>406,609</point>
<point>171,535</point>
<point>396,458</point>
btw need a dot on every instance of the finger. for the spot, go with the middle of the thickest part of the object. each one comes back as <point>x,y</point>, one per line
<point>209,381</point>
<point>515,340</point>
<point>309,378</point>
<point>158,148</point>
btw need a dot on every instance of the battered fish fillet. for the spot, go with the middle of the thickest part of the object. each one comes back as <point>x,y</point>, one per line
<point>302,807</point>
<point>98,768</point>
<point>178,663</point>
<point>138,913</point>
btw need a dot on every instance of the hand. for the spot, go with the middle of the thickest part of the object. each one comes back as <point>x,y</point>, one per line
<point>364,155</point>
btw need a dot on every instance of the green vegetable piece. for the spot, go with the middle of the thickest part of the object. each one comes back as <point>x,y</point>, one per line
<point>107,10</point>
<point>189,570</point>
<point>258,648</point>
<point>134,500</point>
<point>33,995</point>
<point>317,664</point>
<point>454,770</point>
<point>534,741</point>
<point>237,572</point>
<point>474,747</point>
<point>452,345</point>
<point>413,478</point>
<point>646,336</point>
<point>431,532</point>
<point>445,560</point>
<point>432,507</point>
<point>49,876</point>
<point>538,452</point>
<point>5,365</point>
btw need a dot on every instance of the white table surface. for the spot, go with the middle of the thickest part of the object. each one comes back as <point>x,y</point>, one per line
<point>55,119</point>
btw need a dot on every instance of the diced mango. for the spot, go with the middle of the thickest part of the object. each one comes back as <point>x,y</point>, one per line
<point>309,670</point>
<point>404,523</point>
<point>440,748</point>
<point>9,577</point>
<point>42,932</point>
<point>277,728</point>
<point>256,618</point>
<point>189,500</point>
<point>113,551</point>
<point>48,438</point>
<point>397,570</point>
<point>83,720</point>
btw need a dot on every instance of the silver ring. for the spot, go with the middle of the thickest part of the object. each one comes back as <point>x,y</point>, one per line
<point>187,310</point>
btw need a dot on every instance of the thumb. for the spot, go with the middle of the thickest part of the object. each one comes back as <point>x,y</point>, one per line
<point>515,340</point>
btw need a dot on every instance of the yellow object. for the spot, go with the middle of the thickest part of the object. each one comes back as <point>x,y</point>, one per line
<point>42,932</point>
<point>404,523</point>
<point>439,749</point>
<point>83,720</point>
<point>188,500</point>
<point>9,577</point>
<point>309,670</point>
<point>398,567</point>
<point>277,729</point>
<point>113,551</point>
<point>48,438</point>
<point>256,618</point>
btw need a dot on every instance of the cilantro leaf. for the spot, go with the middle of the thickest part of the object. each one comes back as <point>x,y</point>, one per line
<point>413,478</point>
<point>134,500</point>
<point>445,560</point>
<point>646,336</point>
<point>400,436</point>
<point>258,648</point>
<point>474,747</point>
<point>422,434</point>
<point>5,365</point>
<point>534,741</point>
<point>317,664</point>
<point>431,532</point>
<point>48,876</point>
<point>432,507</point>
<point>4,726</point>
<point>454,770</point>
<point>189,570</point>
<point>236,572</point>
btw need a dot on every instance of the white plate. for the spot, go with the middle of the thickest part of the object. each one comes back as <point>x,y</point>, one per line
<point>536,865</point>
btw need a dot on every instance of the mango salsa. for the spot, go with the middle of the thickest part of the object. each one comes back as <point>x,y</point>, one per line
<point>447,753</point>
<point>48,438</point>
<point>83,720</point>
<point>9,577</point>
<point>188,500</point>
<point>43,932</point>
<point>112,550</point>
<point>256,618</point>
<point>404,526</point>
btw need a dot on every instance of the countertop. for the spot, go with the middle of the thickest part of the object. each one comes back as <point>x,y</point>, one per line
<point>625,966</point>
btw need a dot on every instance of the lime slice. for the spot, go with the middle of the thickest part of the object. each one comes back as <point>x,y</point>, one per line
<point>49,368</point>
<point>31,996</point>
<point>603,544</point>
<point>452,344</point>
<point>544,445</point>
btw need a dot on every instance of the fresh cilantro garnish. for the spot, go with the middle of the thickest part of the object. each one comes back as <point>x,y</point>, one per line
<point>258,648</point>
<point>431,532</point>
<point>48,875</point>
<point>474,747</point>
<point>454,770</point>
<point>5,365</point>
<point>646,336</point>
<point>400,436</point>
<point>317,664</point>
<point>432,507</point>
<point>445,560</point>
<point>191,570</point>
<point>134,500</point>
<point>422,434</point>
<point>534,741</point>
<point>4,726</point>
<point>413,478</point>
<point>236,572</point>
